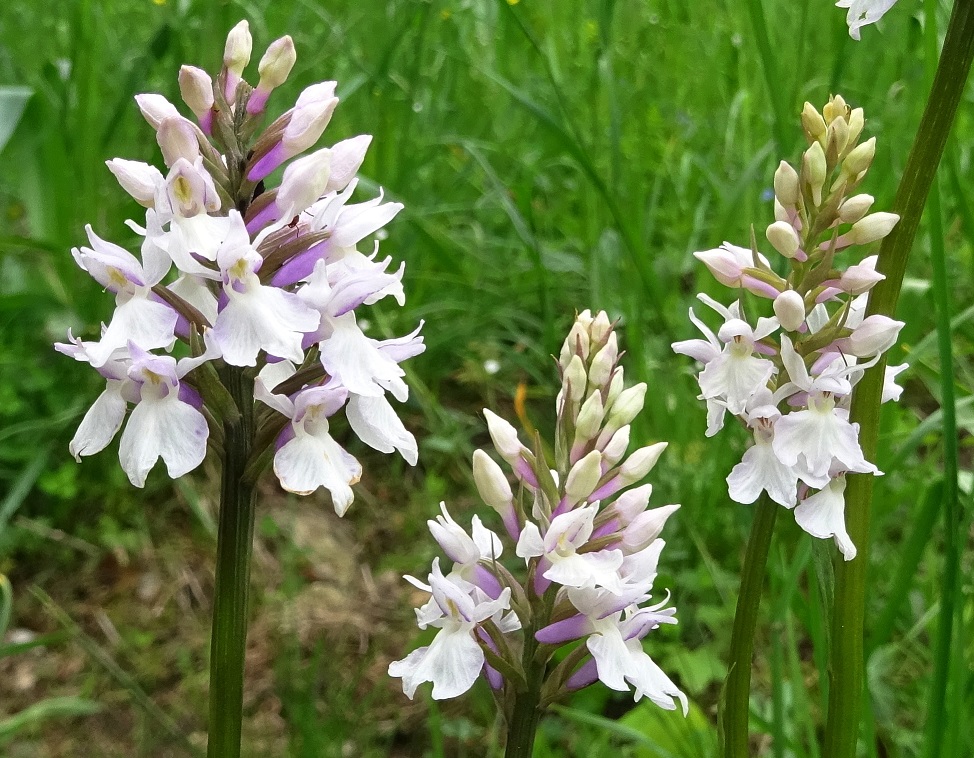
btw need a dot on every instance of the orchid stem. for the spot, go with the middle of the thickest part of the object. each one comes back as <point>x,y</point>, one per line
<point>234,549</point>
<point>737,689</point>
<point>526,712</point>
<point>846,669</point>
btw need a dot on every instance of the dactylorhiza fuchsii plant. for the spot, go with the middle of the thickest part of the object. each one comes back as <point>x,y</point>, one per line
<point>237,330</point>
<point>788,377</point>
<point>588,546</point>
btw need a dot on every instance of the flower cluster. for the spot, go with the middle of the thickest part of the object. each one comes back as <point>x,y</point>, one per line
<point>589,545</point>
<point>265,288</point>
<point>789,377</point>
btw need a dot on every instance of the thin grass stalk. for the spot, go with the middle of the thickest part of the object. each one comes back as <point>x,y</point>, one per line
<point>939,714</point>
<point>235,539</point>
<point>847,664</point>
<point>735,709</point>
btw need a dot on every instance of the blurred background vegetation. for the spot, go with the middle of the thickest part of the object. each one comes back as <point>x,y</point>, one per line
<point>552,156</point>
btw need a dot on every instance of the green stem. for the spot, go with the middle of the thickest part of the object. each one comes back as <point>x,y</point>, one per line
<point>846,671</point>
<point>526,713</point>
<point>737,690</point>
<point>938,713</point>
<point>234,548</point>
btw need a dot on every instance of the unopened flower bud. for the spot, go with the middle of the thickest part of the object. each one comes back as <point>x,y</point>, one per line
<point>780,212</point>
<point>177,139</point>
<point>789,307</point>
<point>156,109</point>
<point>236,53</point>
<point>346,160</point>
<point>616,447</point>
<point>861,277</point>
<point>855,208</point>
<point>873,227</point>
<point>786,188</point>
<point>838,134</point>
<point>815,168</point>
<point>627,406</point>
<point>491,483</point>
<point>616,386</point>
<point>583,478</point>
<point>641,462</point>
<point>875,335</point>
<point>835,108</point>
<point>856,123</point>
<point>632,502</point>
<point>139,179</point>
<point>813,122</point>
<point>312,112</point>
<point>860,158</point>
<point>600,372</point>
<point>504,437</point>
<point>304,181</point>
<point>783,238</point>
<point>196,89</point>
<point>645,528</point>
<point>274,68</point>
<point>589,419</point>
<point>600,327</point>
<point>727,263</point>
<point>576,343</point>
<point>575,380</point>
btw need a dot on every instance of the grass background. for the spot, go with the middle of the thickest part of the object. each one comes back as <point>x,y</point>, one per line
<point>551,157</point>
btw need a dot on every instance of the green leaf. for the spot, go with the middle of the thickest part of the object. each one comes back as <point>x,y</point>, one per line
<point>12,102</point>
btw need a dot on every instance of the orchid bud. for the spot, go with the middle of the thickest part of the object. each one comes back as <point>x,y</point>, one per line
<point>491,483</point>
<point>236,53</point>
<point>873,227</point>
<point>616,447</point>
<point>815,169</point>
<point>856,123</point>
<point>789,307</point>
<point>139,179</point>
<point>627,406</point>
<point>783,238</point>
<point>600,372</point>
<point>616,386</point>
<point>504,437</point>
<point>727,263</point>
<point>600,327</point>
<point>780,212</point>
<point>641,462</point>
<point>310,116</point>
<point>786,188</point>
<point>632,502</point>
<point>645,528</point>
<point>860,158</point>
<point>589,418</point>
<point>861,277</point>
<point>576,343</point>
<point>196,89</point>
<point>855,208</point>
<point>813,122</point>
<point>575,379</point>
<point>583,478</point>
<point>304,181</point>
<point>838,134</point>
<point>177,139</point>
<point>274,68</point>
<point>155,108</point>
<point>835,108</point>
<point>346,160</point>
<point>875,335</point>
